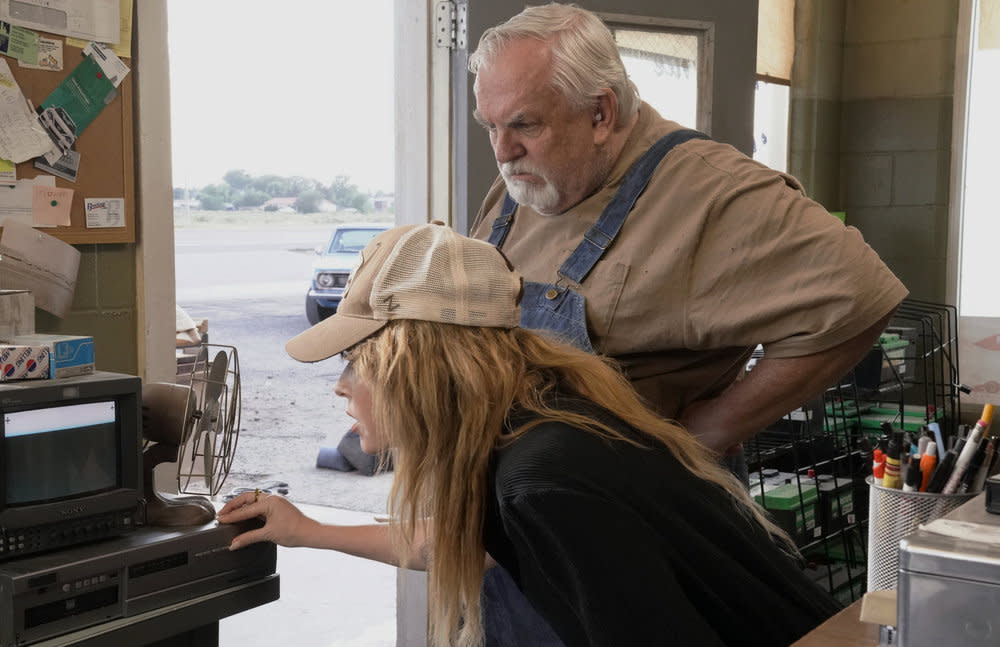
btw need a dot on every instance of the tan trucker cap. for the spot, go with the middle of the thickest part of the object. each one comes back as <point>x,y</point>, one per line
<point>426,272</point>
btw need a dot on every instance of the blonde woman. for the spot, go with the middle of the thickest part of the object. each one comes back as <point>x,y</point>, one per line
<point>618,526</point>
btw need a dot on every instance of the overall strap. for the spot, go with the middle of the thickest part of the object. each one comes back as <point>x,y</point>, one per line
<point>600,237</point>
<point>501,226</point>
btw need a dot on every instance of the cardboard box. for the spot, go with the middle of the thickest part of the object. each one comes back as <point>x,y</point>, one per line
<point>23,363</point>
<point>68,354</point>
<point>17,313</point>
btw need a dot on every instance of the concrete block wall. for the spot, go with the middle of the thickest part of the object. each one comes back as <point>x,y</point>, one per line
<point>876,142</point>
<point>104,306</point>
<point>896,122</point>
<point>815,99</point>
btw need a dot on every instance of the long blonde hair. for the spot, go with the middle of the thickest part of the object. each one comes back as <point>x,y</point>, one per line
<point>442,394</point>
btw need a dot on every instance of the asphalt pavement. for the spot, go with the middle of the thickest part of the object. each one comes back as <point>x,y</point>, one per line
<point>250,285</point>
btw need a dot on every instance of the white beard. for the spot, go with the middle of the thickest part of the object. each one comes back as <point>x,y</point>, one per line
<point>542,199</point>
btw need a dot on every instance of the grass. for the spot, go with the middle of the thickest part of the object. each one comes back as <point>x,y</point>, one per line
<point>199,219</point>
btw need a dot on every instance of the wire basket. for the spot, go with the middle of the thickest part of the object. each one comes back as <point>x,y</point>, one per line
<point>894,514</point>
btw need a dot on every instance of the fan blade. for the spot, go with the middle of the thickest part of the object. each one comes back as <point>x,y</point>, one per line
<point>209,454</point>
<point>217,376</point>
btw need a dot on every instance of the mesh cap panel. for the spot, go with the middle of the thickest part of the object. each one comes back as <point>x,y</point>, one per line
<point>432,274</point>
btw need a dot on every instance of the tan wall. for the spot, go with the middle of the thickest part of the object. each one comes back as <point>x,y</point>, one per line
<point>876,142</point>
<point>104,306</point>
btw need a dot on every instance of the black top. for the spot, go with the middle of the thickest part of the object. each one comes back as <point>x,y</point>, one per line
<point>620,545</point>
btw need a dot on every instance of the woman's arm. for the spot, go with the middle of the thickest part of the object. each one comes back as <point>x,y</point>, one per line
<point>286,525</point>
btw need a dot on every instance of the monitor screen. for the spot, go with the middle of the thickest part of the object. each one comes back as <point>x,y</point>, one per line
<point>60,452</point>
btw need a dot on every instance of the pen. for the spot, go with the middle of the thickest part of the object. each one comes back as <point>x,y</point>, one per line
<point>970,449</point>
<point>944,467</point>
<point>927,464</point>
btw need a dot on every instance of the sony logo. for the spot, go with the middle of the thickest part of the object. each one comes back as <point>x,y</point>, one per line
<point>77,509</point>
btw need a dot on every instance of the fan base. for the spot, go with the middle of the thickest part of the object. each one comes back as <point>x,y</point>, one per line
<point>169,511</point>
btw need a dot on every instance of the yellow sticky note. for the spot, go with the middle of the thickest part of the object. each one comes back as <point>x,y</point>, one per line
<point>50,206</point>
<point>8,171</point>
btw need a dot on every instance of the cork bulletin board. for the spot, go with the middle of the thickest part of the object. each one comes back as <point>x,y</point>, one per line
<point>106,149</point>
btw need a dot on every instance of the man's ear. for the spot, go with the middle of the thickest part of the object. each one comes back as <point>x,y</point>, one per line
<point>604,116</point>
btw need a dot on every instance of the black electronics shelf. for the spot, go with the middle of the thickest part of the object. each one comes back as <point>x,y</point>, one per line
<point>809,468</point>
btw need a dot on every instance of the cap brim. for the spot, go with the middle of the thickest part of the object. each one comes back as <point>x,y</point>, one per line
<point>333,335</point>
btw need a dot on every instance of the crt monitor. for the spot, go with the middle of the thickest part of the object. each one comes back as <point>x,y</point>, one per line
<point>70,455</point>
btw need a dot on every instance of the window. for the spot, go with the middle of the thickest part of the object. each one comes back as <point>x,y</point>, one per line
<point>664,65</point>
<point>975,226</point>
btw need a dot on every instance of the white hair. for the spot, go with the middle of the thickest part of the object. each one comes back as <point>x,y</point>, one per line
<point>585,58</point>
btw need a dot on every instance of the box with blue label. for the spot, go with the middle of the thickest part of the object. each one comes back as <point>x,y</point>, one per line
<point>68,354</point>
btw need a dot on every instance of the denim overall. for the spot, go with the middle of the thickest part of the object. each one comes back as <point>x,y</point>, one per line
<point>508,617</point>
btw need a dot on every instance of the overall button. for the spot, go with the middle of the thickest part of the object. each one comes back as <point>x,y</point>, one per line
<point>551,293</point>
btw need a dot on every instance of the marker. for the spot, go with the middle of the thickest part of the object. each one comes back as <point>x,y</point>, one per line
<point>945,466</point>
<point>970,449</point>
<point>922,444</point>
<point>906,449</point>
<point>935,429</point>
<point>878,466</point>
<point>973,470</point>
<point>913,478</point>
<point>891,479</point>
<point>927,464</point>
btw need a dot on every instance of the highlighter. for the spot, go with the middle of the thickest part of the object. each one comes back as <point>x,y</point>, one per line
<point>891,479</point>
<point>970,449</point>
<point>927,464</point>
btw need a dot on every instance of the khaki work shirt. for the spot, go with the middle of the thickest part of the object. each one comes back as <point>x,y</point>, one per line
<point>719,254</point>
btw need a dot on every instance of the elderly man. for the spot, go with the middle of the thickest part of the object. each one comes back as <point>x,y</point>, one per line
<point>653,244</point>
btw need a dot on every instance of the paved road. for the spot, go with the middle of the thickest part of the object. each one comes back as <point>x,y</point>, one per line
<point>250,285</point>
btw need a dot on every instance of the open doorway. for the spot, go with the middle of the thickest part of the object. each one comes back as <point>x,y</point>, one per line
<point>282,128</point>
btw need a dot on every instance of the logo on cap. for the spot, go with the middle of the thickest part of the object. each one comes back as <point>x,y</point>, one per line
<point>390,304</point>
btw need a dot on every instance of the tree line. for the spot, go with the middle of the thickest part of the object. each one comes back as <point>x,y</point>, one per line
<point>239,189</point>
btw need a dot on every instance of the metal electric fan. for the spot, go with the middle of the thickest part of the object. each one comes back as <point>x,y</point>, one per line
<point>197,426</point>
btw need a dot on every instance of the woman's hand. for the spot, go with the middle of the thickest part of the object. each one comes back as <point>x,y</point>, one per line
<point>284,524</point>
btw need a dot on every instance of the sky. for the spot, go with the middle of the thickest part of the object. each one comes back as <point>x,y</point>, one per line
<point>306,91</point>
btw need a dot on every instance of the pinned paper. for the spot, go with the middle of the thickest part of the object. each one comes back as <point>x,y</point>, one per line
<point>8,171</point>
<point>21,136</point>
<point>50,56</point>
<point>105,212</point>
<point>112,66</point>
<point>86,19</point>
<point>75,102</point>
<point>50,206</point>
<point>123,47</point>
<point>32,260</point>
<point>23,44</point>
<point>17,198</point>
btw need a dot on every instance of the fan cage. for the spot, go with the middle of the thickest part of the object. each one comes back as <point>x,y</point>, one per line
<point>206,457</point>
